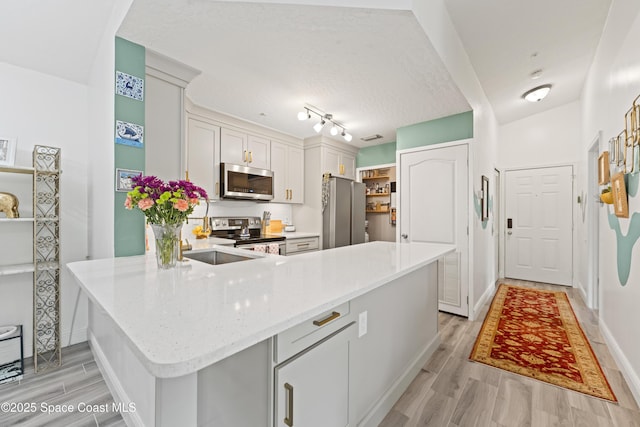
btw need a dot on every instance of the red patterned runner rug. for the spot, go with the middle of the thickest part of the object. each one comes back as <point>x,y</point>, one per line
<point>535,333</point>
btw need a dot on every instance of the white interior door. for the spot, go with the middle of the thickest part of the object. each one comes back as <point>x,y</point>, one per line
<point>434,206</point>
<point>538,223</point>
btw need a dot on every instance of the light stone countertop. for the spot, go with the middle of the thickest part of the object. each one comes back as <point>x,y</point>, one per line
<point>181,320</point>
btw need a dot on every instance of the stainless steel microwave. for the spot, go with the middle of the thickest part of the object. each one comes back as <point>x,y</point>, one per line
<point>245,183</point>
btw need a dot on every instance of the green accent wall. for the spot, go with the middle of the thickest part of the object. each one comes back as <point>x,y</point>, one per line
<point>381,154</point>
<point>446,129</point>
<point>128,225</point>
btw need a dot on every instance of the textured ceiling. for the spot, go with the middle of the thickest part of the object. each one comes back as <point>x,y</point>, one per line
<point>373,69</point>
<point>500,37</point>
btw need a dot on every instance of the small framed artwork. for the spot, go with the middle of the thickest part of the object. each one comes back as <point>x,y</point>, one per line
<point>7,151</point>
<point>620,204</point>
<point>129,134</point>
<point>485,198</point>
<point>123,179</point>
<point>129,86</point>
<point>603,168</point>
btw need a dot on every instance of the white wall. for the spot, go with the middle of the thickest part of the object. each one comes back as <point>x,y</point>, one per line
<point>612,84</point>
<point>436,23</point>
<point>550,137</point>
<point>45,110</point>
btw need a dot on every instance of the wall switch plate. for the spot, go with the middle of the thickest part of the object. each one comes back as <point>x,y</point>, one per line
<point>362,324</point>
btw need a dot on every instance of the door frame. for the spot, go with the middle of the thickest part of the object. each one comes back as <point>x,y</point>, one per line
<point>470,155</point>
<point>497,223</point>
<point>592,229</point>
<point>503,212</point>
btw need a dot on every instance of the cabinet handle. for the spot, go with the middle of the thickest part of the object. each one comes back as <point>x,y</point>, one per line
<point>304,245</point>
<point>288,389</point>
<point>250,156</point>
<point>217,188</point>
<point>332,316</point>
<point>290,194</point>
<point>245,156</point>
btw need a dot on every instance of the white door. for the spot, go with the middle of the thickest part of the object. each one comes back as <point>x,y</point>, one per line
<point>434,206</point>
<point>538,225</point>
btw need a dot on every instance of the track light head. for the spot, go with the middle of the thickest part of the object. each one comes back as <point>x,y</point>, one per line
<point>318,126</point>
<point>347,136</point>
<point>304,115</point>
<point>334,130</point>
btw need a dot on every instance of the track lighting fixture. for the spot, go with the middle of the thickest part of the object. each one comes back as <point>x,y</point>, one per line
<point>324,118</point>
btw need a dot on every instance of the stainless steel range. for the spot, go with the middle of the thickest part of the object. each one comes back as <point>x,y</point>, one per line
<point>246,231</point>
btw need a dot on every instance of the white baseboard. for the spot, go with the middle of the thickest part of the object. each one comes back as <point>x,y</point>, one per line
<point>391,396</point>
<point>114,386</point>
<point>632,378</point>
<point>486,296</point>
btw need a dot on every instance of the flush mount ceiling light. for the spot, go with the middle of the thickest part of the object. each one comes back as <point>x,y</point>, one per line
<point>537,93</point>
<point>324,118</point>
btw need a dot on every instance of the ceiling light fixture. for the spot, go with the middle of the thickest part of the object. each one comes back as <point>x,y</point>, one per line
<point>304,115</point>
<point>537,93</point>
<point>318,126</point>
<point>324,118</point>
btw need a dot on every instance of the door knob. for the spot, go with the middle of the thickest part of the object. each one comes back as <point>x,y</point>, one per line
<point>404,236</point>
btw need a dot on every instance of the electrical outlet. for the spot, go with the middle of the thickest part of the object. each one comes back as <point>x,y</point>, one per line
<point>362,324</point>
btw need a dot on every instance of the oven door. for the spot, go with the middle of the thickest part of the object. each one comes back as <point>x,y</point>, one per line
<point>266,247</point>
<point>245,183</point>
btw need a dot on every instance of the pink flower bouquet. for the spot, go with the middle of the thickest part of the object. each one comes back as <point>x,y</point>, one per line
<point>163,203</point>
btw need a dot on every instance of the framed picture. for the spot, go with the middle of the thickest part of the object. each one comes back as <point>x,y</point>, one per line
<point>129,86</point>
<point>129,134</point>
<point>7,151</point>
<point>603,168</point>
<point>485,198</point>
<point>123,179</point>
<point>620,204</point>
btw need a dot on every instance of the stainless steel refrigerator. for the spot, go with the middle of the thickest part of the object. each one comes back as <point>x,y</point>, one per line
<point>344,214</point>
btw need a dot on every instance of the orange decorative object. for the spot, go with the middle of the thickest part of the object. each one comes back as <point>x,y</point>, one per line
<point>607,197</point>
<point>535,333</point>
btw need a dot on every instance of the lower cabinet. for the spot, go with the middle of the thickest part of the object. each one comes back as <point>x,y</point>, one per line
<point>312,388</point>
<point>302,245</point>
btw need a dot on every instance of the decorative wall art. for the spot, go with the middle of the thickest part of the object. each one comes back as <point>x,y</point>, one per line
<point>129,86</point>
<point>485,198</point>
<point>7,151</point>
<point>123,179</point>
<point>620,205</point>
<point>603,168</point>
<point>129,134</point>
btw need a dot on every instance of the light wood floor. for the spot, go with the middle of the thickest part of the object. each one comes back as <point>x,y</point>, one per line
<point>77,381</point>
<point>452,391</point>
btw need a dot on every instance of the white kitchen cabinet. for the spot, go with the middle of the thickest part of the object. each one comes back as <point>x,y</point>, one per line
<point>312,388</point>
<point>339,163</point>
<point>203,144</point>
<point>243,149</point>
<point>287,164</point>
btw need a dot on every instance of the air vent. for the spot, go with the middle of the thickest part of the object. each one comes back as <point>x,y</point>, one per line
<point>371,138</point>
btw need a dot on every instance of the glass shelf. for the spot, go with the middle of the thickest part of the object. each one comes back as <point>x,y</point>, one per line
<point>8,270</point>
<point>16,219</point>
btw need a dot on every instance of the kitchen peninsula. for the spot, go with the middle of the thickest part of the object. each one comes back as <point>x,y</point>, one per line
<point>235,344</point>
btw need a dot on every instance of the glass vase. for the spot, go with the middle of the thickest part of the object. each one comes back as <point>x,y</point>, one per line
<point>167,244</point>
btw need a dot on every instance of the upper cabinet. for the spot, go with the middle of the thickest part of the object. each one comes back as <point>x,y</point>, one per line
<point>203,164</point>
<point>339,163</point>
<point>287,164</point>
<point>244,149</point>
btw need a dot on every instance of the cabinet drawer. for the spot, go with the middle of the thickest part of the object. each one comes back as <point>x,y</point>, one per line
<point>300,245</point>
<point>301,336</point>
